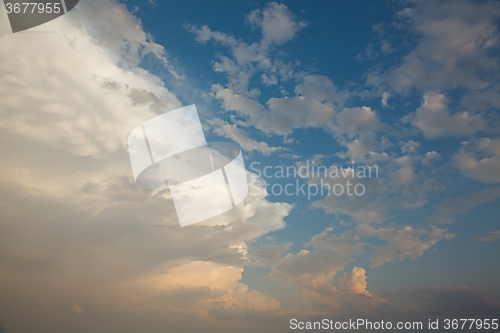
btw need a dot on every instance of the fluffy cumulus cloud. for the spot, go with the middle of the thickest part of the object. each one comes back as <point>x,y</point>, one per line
<point>355,281</point>
<point>355,121</point>
<point>479,159</point>
<point>434,118</point>
<point>310,107</point>
<point>277,23</point>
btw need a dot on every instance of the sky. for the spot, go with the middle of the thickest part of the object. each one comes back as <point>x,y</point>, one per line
<point>407,89</point>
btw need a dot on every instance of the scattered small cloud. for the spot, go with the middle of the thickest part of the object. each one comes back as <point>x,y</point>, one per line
<point>489,237</point>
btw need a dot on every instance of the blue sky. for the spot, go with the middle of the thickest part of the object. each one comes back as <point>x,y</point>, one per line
<point>411,88</point>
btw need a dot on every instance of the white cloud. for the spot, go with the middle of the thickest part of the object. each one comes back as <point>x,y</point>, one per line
<point>355,121</point>
<point>86,104</point>
<point>277,23</point>
<point>385,98</point>
<point>434,118</point>
<point>479,160</point>
<point>355,281</point>
<point>241,137</point>
<point>430,157</point>
<point>308,108</point>
<point>204,34</point>
<point>455,40</point>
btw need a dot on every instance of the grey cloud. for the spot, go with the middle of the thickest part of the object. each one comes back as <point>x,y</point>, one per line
<point>449,209</point>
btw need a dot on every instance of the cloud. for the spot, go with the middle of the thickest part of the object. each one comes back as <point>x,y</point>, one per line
<point>110,236</point>
<point>276,22</point>
<point>246,60</point>
<point>354,121</point>
<point>331,253</point>
<point>241,137</point>
<point>314,105</point>
<point>77,310</point>
<point>455,45</point>
<point>313,268</point>
<point>271,251</point>
<point>489,237</point>
<point>430,157</point>
<point>355,281</point>
<point>410,147</point>
<point>450,208</point>
<point>121,33</point>
<point>312,273</point>
<point>403,242</point>
<point>209,287</point>
<point>482,100</point>
<point>434,119</point>
<point>93,118</point>
<point>374,192</point>
<point>479,159</point>
<point>385,99</point>
<point>368,207</point>
<point>204,34</point>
